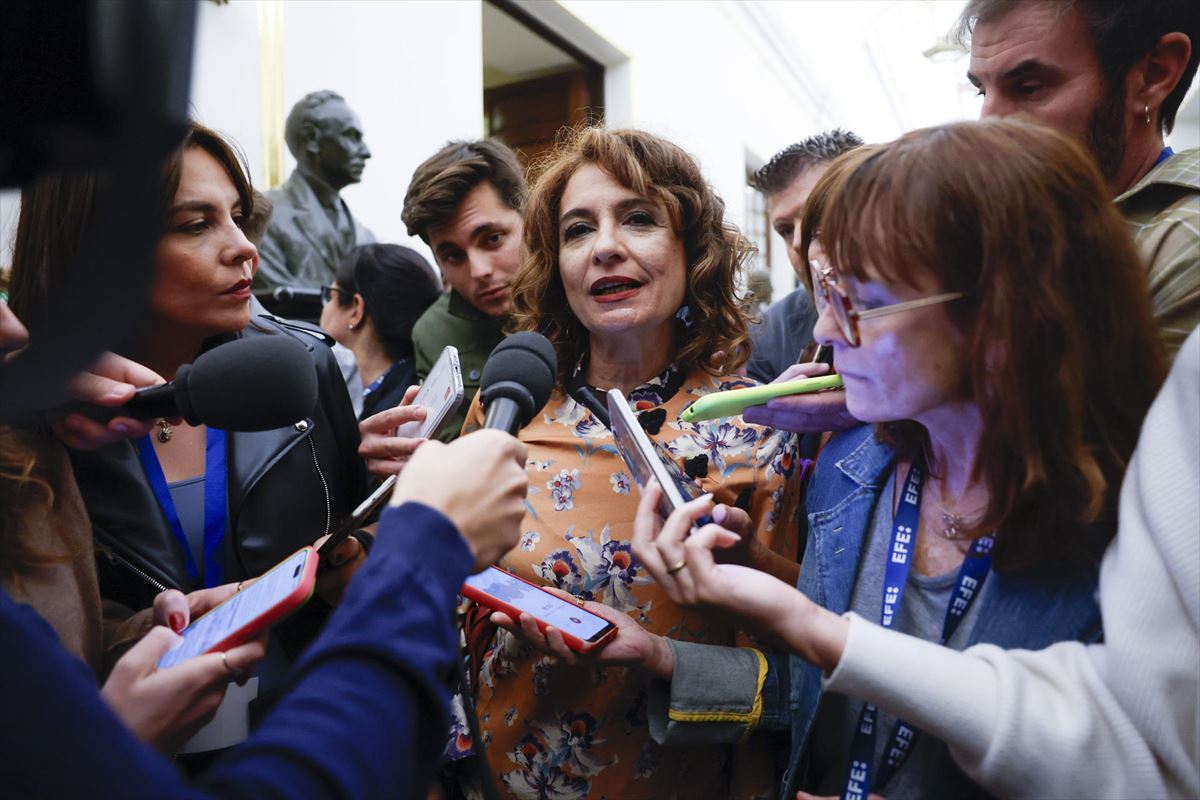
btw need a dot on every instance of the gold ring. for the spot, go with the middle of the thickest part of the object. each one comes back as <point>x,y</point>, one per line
<point>225,661</point>
<point>579,601</point>
<point>671,570</point>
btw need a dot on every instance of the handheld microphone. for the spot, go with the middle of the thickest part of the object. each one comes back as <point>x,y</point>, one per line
<point>517,380</point>
<point>253,384</point>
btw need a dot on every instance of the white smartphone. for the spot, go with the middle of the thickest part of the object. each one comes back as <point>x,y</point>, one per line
<point>440,395</point>
<point>280,591</point>
<point>646,458</point>
<point>500,590</point>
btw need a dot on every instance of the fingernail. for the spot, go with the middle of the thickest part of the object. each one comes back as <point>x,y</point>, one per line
<point>121,428</point>
<point>719,513</point>
<point>336,560</point>
<point>176,621</point>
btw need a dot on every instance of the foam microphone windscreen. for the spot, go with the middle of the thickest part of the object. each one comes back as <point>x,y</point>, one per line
<point>253,384</point>
<point>522,369</point>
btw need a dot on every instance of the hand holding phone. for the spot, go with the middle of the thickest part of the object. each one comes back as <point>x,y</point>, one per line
<point>500,590</point>
<point>271,598</point>
<point>646,459</point>
<point>440,395</point>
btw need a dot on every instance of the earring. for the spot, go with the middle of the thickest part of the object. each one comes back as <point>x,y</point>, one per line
<point>1147,113</point>
<point>352,325</point>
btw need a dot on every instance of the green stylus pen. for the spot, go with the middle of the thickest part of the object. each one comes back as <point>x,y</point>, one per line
<point>735,401</point>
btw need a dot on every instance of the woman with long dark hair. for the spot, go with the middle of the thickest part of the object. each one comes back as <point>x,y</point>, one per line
<point>378,294</point>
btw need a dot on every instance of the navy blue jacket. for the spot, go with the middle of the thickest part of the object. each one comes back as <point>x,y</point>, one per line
<point>364,715</point>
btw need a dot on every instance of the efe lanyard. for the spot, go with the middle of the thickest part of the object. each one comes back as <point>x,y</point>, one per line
<point>971,575</point>
<point>215,510</point>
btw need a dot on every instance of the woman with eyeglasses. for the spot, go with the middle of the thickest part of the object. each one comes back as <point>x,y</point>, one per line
<point>378,294</point>
<point>986,311</point>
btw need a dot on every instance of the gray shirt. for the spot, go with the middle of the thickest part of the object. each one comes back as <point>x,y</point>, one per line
<point>929,771</point>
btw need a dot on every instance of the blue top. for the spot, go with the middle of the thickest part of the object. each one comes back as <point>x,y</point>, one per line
<point>364,714</point>
<point>1030,609</point>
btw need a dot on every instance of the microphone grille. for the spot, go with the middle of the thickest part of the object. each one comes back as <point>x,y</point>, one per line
<point>253,384</point>
<point>522,367</point>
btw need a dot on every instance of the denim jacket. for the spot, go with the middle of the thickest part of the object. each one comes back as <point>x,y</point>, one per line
<point>1030,609</point>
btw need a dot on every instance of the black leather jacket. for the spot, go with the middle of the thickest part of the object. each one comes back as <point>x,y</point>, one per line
<point>287,487</point>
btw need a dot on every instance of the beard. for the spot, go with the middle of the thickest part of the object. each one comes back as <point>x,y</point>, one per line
<point>1106,133</point>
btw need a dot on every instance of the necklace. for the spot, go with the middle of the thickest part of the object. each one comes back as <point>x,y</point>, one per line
<point>953,525</point>
<point>164,431</point>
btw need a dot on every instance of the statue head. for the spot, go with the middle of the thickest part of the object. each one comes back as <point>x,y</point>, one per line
<point>325,137</point>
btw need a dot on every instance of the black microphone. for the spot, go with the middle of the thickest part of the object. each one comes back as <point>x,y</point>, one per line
<point>517,380</point>
<point>253,384</point>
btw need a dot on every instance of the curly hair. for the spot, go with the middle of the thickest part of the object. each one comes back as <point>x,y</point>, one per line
<point>715,250</point>
<point>1061,352</point>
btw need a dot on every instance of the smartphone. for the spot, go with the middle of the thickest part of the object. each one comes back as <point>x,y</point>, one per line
<point>500,590</point>
<point>440,395</point>
<point>647,459</point>
<point>735,401</point>
<point>280,591</point>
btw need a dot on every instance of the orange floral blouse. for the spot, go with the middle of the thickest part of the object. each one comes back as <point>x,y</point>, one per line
<point>556,731</point>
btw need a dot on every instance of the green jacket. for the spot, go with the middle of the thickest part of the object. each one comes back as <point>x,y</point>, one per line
<point>453,320</point>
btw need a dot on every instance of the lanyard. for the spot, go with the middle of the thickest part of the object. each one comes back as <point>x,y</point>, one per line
<point>215,508</point>
<point>375,384</point>
<point>971,575</point>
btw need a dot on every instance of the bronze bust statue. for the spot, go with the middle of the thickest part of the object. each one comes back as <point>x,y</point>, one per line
<point>312,228</point>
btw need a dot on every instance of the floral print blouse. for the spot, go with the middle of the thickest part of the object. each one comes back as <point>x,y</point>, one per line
<point>556,731</point>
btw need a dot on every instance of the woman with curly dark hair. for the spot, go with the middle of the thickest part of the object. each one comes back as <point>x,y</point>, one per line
<point>630,271</point>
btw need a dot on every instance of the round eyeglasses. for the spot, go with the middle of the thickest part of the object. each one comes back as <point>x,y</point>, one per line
<point>847,316</point>
<point>327,293</point>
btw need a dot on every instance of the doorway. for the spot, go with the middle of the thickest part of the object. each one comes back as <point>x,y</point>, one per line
<point>535,83</point>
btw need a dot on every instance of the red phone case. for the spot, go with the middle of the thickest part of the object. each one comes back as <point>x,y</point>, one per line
<point>278,612</point>
<point>573,642</point>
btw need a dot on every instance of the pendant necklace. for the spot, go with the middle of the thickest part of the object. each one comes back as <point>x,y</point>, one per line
<point>164,431</point>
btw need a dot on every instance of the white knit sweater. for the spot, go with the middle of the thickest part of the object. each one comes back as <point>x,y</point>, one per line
<point>1120,719</point>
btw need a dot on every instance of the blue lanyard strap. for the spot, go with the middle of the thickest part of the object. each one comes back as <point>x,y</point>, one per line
<point>215,504</point>
<point>375,384</point>
<point>971,576</point>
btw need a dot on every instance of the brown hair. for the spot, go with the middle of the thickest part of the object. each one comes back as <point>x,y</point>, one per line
<point>1062,355</point>
<point>445,178</point>
<point>659,170</point>
<point>24,491</point>
<point>57,209</point>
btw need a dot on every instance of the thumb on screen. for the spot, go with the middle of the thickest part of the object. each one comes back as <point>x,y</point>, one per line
<point>143,657</point>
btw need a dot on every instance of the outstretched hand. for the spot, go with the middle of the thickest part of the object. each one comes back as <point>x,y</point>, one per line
<point>685,567</point>
<point>479,482</point>
<point>631,646</point>
<point>384,446</point>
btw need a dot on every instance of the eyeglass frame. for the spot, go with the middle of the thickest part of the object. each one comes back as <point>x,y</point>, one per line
<point>825,286</point>
<point>327,292</point>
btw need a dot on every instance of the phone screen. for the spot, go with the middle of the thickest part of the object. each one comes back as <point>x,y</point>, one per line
<point>439,395</point>
<point>647,459</point>
<point>231,616</point>
<point>567,617</point>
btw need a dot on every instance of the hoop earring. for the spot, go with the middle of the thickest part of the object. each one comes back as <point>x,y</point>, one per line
<point>1147,113</point>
